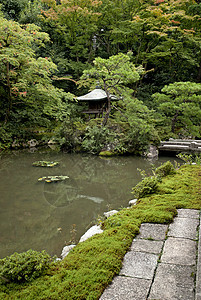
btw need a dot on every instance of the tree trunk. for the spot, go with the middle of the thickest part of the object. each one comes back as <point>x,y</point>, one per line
<point>106,117</point>
<point>174,120</point>
<point>9,107</point>
<point>199,73</point>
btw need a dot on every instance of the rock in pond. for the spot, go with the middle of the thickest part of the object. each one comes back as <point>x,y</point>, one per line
<point>152,152</point>
<point>110,213</point>
<point>132,202</point>
<point>66,250</point>
<point>91,232</point>
<point>32,143</point>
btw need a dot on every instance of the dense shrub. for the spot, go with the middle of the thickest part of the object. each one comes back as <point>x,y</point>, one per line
<point>24,266</point>
<point>166,169</point>
<point>95,139</point>
<point>5,137</point>
<point>190,158</point>
<point>147,186</point>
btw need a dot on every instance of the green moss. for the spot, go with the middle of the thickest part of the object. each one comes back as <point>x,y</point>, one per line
<point>91,265</point>
<point>107,153</point>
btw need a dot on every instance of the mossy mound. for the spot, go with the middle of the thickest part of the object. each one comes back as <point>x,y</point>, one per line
<point>107,153</point>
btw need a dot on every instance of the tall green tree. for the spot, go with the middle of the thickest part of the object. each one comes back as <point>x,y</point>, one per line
<point>25,80</point>
<point>115,32</point>
<point>13,8</point>
<point>167,38</point>
<point>114,75</point>
<point>73,26</point>
<point>180,105</point>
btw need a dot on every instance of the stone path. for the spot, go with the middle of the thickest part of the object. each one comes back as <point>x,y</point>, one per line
<point>164,262</point>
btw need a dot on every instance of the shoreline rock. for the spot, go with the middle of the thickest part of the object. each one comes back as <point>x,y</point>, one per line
<point>110,213</point>
<point>132,202</point>
<point>66,250</point>
<point>91,232</point>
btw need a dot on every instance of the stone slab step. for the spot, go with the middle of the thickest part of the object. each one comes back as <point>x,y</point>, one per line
<point>162,262</point>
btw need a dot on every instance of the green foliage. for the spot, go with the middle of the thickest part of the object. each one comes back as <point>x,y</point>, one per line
<point>163,37</point>
<point>31,13</point>
<point>114,75</point>
<point>13,8</point>
<point>147,186</point>
<point>180,105</point>
<point>150,184</point>
<point>141,122</point>
<point>70,134</point>
<point>109,138</point>
<point>166,169</point>
<point>95,139</point>
<point>5,137</point>
<point>28,97</point>
<point>24,78</point>
<point>190,158</point>
<point>24,266</point>
<point>117,137</point>
<point>72,26</point>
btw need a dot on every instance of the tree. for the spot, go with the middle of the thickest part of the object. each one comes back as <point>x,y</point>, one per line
<point>115,32</point>
<point>32,13</point>
<point>13,8</point>
<point>168,38</point>
<point>114,75</point>
<point>25,81</point>
<point>72,26</point>
<point>180,105</point>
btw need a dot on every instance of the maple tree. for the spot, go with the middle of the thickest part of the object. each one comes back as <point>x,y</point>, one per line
<point>168,39</point>
<point>23,76</point>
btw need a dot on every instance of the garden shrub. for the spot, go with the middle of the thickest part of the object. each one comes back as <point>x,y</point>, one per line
<point>24,266</point>
<point>147,186</point>
<point>166,169</point>
<point>190,158</point>
<point>95,139</point>
<point>5,137</point>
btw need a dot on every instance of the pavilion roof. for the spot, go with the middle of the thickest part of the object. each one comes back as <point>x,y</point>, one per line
<point>96,94</point>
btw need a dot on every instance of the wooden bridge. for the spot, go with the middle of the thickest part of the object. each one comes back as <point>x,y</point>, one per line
<point>180,146</point>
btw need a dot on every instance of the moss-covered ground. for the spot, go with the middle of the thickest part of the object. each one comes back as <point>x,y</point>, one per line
<point>91,265</point>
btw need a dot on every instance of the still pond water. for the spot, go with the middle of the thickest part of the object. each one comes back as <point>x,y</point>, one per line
<point>38,215</point>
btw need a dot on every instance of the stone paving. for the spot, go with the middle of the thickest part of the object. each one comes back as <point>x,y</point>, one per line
<point>164,262</point>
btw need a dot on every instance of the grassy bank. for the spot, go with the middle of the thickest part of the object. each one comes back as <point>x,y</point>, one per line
<point>91,265</point>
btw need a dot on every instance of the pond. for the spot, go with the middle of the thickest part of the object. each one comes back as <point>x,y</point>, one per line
<point>39,215</point>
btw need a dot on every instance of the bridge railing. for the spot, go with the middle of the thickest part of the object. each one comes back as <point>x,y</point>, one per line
<point>181,145</point>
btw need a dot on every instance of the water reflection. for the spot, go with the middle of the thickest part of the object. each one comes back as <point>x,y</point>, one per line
<point>39,215</point>
<point>61,194</point>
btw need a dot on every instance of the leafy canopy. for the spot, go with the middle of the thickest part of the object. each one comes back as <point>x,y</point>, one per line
<point>180,105</point>
<point>25,80</point>
<point>113,74</point>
